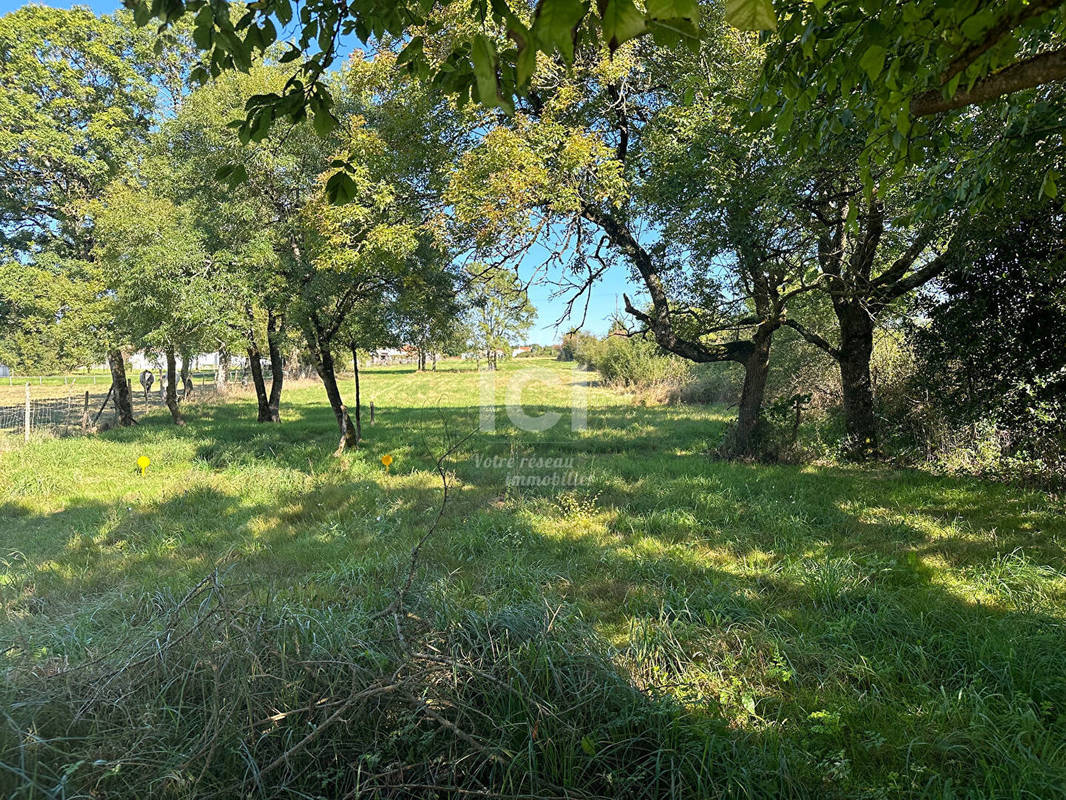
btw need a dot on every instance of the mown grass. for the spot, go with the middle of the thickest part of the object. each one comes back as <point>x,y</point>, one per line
<point>661,624</point>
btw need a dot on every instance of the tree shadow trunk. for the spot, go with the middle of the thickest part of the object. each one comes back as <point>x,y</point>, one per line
<point>172,386</point>
<point>120,384</point>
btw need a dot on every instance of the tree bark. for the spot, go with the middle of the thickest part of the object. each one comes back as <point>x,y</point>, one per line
<point>744,441</point>
<point>277,367</point>
<point>327,371</point>
<point>1047,67</point>
<point>123,398</point>
<point>222,370</point>
<point>172,392</point>
<point>255,366</point>
<point>186,377</point>
<point>856,352</point>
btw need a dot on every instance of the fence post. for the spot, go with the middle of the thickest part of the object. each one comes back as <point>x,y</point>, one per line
<point>27,412</point>
<point>85,413</point>
<point>371,412</point>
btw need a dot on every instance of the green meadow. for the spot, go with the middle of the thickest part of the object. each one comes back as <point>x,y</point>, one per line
<point>612,612</point>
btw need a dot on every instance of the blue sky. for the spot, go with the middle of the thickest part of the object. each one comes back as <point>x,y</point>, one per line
<point>606,296</point>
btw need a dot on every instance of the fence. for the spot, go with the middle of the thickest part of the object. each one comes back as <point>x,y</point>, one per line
<point>78,410</point>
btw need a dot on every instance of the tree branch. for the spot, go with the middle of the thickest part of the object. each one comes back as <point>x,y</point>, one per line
<point>814,338</point>
<point>1026,74</point>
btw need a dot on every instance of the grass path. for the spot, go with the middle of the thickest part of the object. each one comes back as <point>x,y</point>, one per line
<point>884,633</point>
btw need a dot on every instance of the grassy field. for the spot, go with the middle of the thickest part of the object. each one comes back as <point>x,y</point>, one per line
<point>617,613</point>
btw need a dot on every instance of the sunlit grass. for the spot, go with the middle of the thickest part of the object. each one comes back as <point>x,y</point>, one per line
<point>882,633</point>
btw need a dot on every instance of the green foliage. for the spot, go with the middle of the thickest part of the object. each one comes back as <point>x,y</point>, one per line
<point>50,314</point>
<point>499,313</point>
<point>167,292</point>
<point>491,60</point>
<point>990,345</point>
<point>75,101</point>
<point>899,75</point>
<point>634,362</point>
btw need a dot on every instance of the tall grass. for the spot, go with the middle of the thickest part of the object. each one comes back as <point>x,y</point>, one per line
<point>672,626</point>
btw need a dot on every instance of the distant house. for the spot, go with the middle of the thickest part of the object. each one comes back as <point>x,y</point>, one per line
<point>520,350</point>
<point>5,371</point>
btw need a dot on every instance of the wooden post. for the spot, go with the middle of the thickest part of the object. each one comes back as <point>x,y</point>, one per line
<point>371,412</point>
<point>85,413</point>
<point>28,412</point>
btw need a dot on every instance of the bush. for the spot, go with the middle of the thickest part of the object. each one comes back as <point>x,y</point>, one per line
<point>638,363</point>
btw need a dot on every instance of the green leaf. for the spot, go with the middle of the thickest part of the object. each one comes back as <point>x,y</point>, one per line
<point>873,60</point>
<point>1047,186</point>
<point>340,188</point>
<point>324,121</point>
<point>749,703</point>
<point>232,174</point>
<point>587,745</point>
<point>621,21</point>
<point>291,54</point>
<point>413,51</point>
<point>672,9</point>
<point>555,24</point>
<point>751,15</point>
<point>976,25</point>
<point>483,55</point>
<point>526,63</point>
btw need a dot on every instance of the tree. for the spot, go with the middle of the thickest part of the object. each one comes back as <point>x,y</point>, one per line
<point>902,75</point>
<point>348,253</point>
<point>166,293</point>
<point>596,159</point>
<point>76,100</point>
<point>491,61</point>
<point>990,340</point>
<point>250,228</point>
<point>871,253</point>
<point>49,317</point>
<point>403,139</point>
<point>499,312</point>
<point>428,314</point>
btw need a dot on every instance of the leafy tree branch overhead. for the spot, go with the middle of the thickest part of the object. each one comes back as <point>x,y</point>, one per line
<point>490,61</point>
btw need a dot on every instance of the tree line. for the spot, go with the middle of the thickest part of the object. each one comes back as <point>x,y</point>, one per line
<point>203,183</point>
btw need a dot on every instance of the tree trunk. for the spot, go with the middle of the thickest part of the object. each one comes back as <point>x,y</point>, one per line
<point>856,350</point>
<point>222,370</point>
<point>324,365</point>
<point>255,366</point>
<point>292,364</point>
<point>186,378</point>
<point>744,440</point>
<point>172,388</point>
<point>277,367</point>
<point>123,398</point>
<point>358,399</point>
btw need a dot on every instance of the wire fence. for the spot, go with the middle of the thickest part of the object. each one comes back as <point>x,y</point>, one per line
<point>70,409</point>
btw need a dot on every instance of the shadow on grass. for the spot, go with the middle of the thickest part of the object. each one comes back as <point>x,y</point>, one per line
<point>871,632</point>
